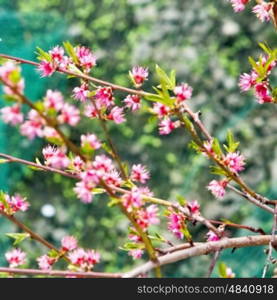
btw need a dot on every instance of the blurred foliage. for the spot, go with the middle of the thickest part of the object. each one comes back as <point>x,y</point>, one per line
<point>208,45</point>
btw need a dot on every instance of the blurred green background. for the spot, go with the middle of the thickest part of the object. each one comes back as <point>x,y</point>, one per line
<point>208,45</point>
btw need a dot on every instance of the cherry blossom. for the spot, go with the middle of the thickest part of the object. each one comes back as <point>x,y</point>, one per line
<point>53,100</point>
<point>176,224</point>
<point>12,114</point>
<point>46,68</point>
<point>238,5</point>
<point>15,257</point>
<point>45,262</point>
<point>133,102</point>
<point>235,161</point>
<point>69,115</point>
<point>212,237</point>
<point>217,188</point>
<point>139,75</point>
<point>136,253</point>
<point>91,141</point>
<point>69,243</point>
<point>55,157</point>
<point>194,207</point>
<point>161,110</point>
<point>183,92</point>
<point>104,96</point>
<point>139,173</point>
<point>247,81</point>
<point>117,115</point>
<point>262,11</point>
<point>81,93</point>
<point>166,126</point>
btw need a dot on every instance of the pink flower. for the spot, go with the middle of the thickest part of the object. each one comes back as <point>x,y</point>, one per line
<point>69,243</point>
<point>132,102</point>
<point>12,114</point>
<point>136,253</point>
<point>46,68</point>
<point>208,148</point>
<point>78,163</point>
<point>247,81</point>
<point>238,5</point>
<point>32,127</point>
<point>7,69</point>
<point>84,192</point>
<point>55,157</point>
<point>148,216</point>
<point>235,161</point>
<point>176,224</point>
<point>262,93</point>
<point>18,88</point>
<point>69,114</point>
<point>57,54</point>
<point>45,262</point>
<point>139,173</point>
<point>166,126</point>
<point>15,258</point>
<point>104,97</point>
<point>132,200</point>
<point>139,75</point>
<point>17,203</point>
<point>90,111</point>
<point>113,178</point>
<point>86,57</point>
<point>194,207</point>
<point>212,237</point>
<point>50,133</point>
<point>217,188</point>
<point>91,141</point>
<point>117,115</point>
<point>84,259</point>
<point>53,100</point>
<point>230,273</point>
<point>183,92</point>
<point>161,110</point>
<point>262,11</point>
<point>103,163</point>
<point>81,93</point>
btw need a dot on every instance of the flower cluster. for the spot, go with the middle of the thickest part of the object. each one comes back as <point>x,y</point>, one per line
<point>262,10</point>
<point>176,223</point>
<point>259,84</point>
<point>12,204</point>
<point>56,59</point>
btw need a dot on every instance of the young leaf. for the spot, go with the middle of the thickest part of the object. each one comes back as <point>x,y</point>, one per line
<point>222,269</point>
<point>42,55</point>
<point>70,51</point>
<point>216,147</point>
<point>18,237</point>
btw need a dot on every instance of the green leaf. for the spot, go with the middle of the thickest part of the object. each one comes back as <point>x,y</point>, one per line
<point>218,171</point>
<point>132,246</point>
<point>222,269</point>
<point>42,55</point>
<point>186,233</point>
<point>53,253</point>
<point>15,76</point>
<point>216,147</point>
<point>265,48</point>
<point>181,200</point>
<point>18,237</point>
<point>70,51</point>
<point>232,144</point>
<point>97,191</point>
<point>4,201</point>
<point>113,201</point>
<point>194,146</point>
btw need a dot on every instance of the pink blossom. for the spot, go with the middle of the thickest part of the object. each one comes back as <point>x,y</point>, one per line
<point>212,237</point>
<point>15,258</point>
<point>262,11</point>
<point>57,54</point>
<point>103,163</point>
<point>148,216</point>
<point>17,88</point>
<point>217,188</point>
<point>33,126</point>
<point>132,200</point>
<point>17,203</point>
<point>46,68</point>
<point>104,96</point>
<point>194,207</point>
<point>132,102</point>
<point>12,114</point>
<point>90,111</point>
<point>235,161</point>
<point>91,177</point>
<point>45,262</point>
<point>50,133</point>
<point>53,100</point>
<point>86,57</point>
<point>166,126</point>
<point>262,93</point>
<point>183,92</point>
<point>136,253</point>
<point>69,114</point>
<point>230,273</point>
<point>84,259</point>
<point>55,157</point>
<point>78,163</point>
<point>139,75</point>
<point>176,224</point>
<point>81,93</point>
<point>83,191</point>
<point>161,110</point>
<point>247,81</point>
<point>238,5</point>
<point>7,69</point>
<point>113,178</point>
<point>139,173</point>
<point>69,243</point>
<point>117,115</point>
<point>208,148</point>
<point>91,141</point>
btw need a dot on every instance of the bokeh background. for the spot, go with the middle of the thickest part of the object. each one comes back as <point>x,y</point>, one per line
<point>208,45</point>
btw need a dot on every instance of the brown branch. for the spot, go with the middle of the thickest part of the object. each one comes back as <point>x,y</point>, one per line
<point>202,249</point>
<point>58,273</point>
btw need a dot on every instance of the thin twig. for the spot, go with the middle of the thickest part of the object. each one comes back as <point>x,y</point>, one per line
<point>213,263</point>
